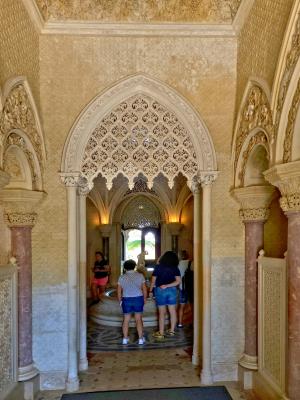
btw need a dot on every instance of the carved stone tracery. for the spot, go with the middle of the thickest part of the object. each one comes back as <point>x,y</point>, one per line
<point>17,113</point>
<point>140,135</point>
<point>20,219</point>
<point>256,113</point>
<point>289,133</point>
<point>254,214</point>
<point>140,213</point>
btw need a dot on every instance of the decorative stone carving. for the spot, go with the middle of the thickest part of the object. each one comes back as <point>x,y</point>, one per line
<point>290,64</point>
<point>289,133</point>
<point>140,213</point>
<point>287,178</point>
<point>207,177</point>
<point>254,214</point>
<point>17,113</point>
<point>256,113</point>
<point>139,136</point>
<point>254,202</point>
<point>70,179</point>
<point>140,186</point>
<point>259,138</point>
<point>20,219</point>
<point>140,11</point>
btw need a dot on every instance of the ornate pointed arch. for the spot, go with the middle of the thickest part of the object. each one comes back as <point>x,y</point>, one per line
<point>254,128</point>
<point>20,127</point>
<point>139,125</point>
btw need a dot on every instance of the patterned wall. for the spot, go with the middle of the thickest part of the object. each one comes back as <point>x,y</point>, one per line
<point>19,45</point>
<point>260,41</point>
<point>140,10</point>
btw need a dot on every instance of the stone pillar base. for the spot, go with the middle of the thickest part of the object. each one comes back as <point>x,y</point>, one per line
<point>249,362</point>
<point>83,364</point>
<point>72,385</point>
<point>195,359</point>
<point>245,376</point>
<point>27,372</point>
<point>206,378</point>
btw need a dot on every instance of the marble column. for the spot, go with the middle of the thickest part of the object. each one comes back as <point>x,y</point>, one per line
<point>287,178</point>
<point>206,372</point>
<point>174,229</point>
<point>197,264</point>
<point>83,361</point>
<point>21,225</point>
<point>71,182</point>
<point>254,202</point>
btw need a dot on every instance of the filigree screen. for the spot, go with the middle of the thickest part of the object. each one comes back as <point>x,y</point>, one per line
<point>139,136</point>
<point>140,213</point>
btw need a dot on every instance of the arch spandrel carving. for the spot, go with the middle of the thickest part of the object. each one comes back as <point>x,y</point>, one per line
<point>139,126</point>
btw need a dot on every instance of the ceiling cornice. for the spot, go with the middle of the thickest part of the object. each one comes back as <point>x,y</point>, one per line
<point>95,28</point>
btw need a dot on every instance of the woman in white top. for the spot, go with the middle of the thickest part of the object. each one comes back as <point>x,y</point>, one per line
<point>132,294</point>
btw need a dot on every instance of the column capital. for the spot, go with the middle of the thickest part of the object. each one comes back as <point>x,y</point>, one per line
<point>287,178</point>
<point>20,206</point>
<point>18,219</point>
<point>174,228</point>
<point>70,179</point>
<point>202,179</point>
<point>4,179</point>
<point>105,229</point>
<point>254,202</point>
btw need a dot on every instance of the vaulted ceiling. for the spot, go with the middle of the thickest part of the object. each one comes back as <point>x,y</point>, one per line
<point>152,11</point>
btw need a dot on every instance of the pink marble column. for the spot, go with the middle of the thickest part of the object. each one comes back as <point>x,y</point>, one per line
<point>21,226</point>
<point>254,240</point>
<point>293,370</point>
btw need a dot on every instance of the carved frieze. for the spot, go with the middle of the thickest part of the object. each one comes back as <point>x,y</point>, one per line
<point>140,10</point>
<point>20,219</point>
<point>17,113</point>
<point>254,214</point>
<point>256,113</point>
<point>289,133</point>
<point>290,64</point>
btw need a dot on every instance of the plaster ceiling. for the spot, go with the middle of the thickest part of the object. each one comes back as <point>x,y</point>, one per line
<point>140,11</point>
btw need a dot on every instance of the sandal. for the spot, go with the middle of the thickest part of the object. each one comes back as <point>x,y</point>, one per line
<point>170,333</point>
<point>158,335</point>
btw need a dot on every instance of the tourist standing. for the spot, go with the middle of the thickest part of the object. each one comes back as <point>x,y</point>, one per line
<point>132,295</point>
<point>165,279</point>
<point>101,271</point>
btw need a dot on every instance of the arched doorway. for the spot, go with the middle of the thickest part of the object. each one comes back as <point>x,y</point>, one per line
<point>140,126</point>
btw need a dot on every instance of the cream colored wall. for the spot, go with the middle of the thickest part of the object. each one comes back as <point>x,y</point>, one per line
<point>19,45</point>
<point>185,241</point>
<point>260,42</point>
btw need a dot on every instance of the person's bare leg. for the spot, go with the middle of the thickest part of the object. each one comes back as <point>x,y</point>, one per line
<point>139,324</point>
<point>125,326</point>
<point>101,291</point>
<point>161,319</point>
<point>94,291</point>
<point>180,313</point>
<point>173,317</point>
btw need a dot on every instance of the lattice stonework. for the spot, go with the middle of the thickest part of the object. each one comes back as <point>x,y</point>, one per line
<point>140,135</point>
<point>6,375</point>
<point>272,301</point>
<point>141,213</point>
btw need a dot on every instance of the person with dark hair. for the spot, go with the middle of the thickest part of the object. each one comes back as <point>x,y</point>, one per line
<point>132,295</point>
<point>101,271</point>
<point>165,279</point>
<point>184,264</point>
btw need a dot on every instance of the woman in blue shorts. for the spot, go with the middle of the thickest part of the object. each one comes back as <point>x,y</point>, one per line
<point>165,279</point>
<point>132,294</point>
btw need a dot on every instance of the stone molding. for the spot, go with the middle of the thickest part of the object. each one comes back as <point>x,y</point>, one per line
<point>20,219</point>
<point>287,178</point>
<point>70,179</point>
<point>4,179</point>
<point>289,132</point>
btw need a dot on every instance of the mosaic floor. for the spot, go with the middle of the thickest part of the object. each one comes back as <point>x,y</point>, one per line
<point>141,369</point>
<point>106,338</point>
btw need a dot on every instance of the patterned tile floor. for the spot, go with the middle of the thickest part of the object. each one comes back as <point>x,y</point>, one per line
<point>141,369</point>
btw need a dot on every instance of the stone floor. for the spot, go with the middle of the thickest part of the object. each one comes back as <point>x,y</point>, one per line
<point>141,369</point>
